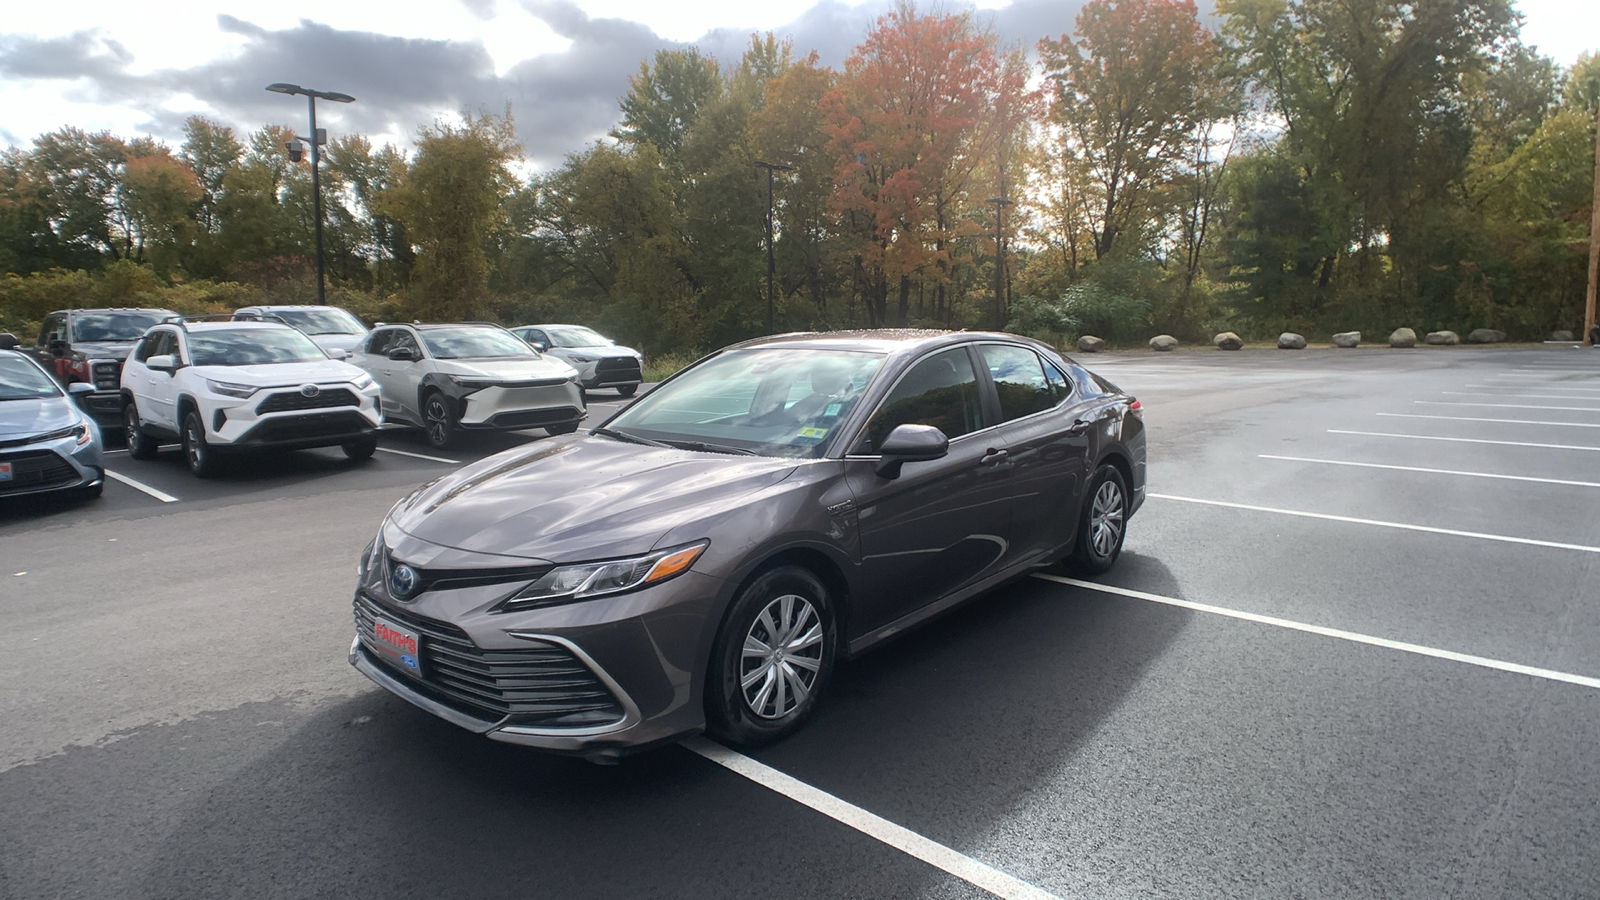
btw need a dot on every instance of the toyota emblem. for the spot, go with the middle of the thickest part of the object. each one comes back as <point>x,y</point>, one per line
<point>309,390</point>
<point>403,581</point>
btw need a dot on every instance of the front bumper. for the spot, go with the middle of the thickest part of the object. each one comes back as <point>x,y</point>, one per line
<point>609,372</point>
<point>264,422</point>
<point>60,465</point>
<point>646,651</point>
<point>516,407</point>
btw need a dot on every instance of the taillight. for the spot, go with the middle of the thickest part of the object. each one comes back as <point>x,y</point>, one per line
<point>1135,407</point>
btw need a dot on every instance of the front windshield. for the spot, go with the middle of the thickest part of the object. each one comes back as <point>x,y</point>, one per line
<point>22,380</point>
<point>320,321</point>
<point>252,347</point>
<point>575,336</point>
<point>115,326</point>
<point>468,342</point>
<point>772,401</point>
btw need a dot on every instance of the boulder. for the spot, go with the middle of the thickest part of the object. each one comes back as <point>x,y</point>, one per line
<point>1403,337</point>
<point>1291,341</point>
<point>1227,341</point>
<point>1347,339</point>
<point>1442,338</point>
<point>1485,336</point>
<point>1090,344</point>
<point>1163,342</point>
<point>1562,336</point>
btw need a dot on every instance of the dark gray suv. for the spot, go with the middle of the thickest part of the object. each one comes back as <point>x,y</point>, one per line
<point>701,560</point>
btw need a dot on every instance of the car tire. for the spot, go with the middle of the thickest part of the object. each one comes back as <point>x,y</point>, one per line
<point>196,452</point>
<point>1102,523</point>
<point>140,444</point>
<point>439,422</point>
<point>626,390</point>
<point>567,428</point>
<point>751,696</point>
<point>360,450</point>
<point>91,492</point>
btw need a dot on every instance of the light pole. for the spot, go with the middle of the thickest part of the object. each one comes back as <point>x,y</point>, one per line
<point>316,140</point>
<point>770,167</point>
<point>1000,204</point>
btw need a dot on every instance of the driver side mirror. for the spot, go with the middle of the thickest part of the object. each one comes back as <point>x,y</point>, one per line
<point>910,443</point>
<point>58,347</point>
<point>337,353</point>
<point>538,345</point>
<point>166,362</point>
<point>79,390</point>
<point>8,341</point>
<point>403,354</point>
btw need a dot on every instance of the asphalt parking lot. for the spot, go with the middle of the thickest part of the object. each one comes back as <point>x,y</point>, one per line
<point>1352,649</point>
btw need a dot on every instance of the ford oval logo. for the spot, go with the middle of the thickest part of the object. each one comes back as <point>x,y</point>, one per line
<point>403,581</point>
<point>309,390</point>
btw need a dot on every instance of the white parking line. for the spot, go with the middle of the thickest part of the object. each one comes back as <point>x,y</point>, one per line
<point>1505,405</point>
<point>1366,465</point>
<point>1356,637</point>
<point>1561,390</point>
<point>874,826</point>
<point>1462,440</point>
<point>1502,421</point>
<point>1506,539</point>
<point>437,459</point>
<point>159,495</point>
<point>1522,396</point>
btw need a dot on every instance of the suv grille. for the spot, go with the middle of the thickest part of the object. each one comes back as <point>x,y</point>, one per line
<point>543,684</point>
<point>534,418</point>
<point>619,365</point>
<point>36,469</point>
<point>107,375</point>
<point>288,400</point>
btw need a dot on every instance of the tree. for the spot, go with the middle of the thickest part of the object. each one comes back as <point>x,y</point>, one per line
<point>665,99</point>
<point>158,195</point>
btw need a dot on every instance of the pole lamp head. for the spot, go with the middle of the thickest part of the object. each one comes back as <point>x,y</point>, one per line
<point>297,150</point>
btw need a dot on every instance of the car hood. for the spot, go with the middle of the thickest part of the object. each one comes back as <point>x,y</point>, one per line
<point>323,371</point>
<point>345,342</point>
<point>514,369</point>
<point>21,418</point>
<point>580,498</point>
<point>104,349</point>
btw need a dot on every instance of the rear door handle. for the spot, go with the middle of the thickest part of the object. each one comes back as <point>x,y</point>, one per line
<point>995,458</point>
<point>1079,426</point>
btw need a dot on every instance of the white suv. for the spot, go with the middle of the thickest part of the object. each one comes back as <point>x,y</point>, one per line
<point>219,386</point>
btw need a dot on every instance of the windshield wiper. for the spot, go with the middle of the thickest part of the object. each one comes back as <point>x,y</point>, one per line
<point>703,447</point>
<point>630,438</point>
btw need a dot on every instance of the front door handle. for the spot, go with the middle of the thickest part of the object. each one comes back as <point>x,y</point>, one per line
<point>994,458</point>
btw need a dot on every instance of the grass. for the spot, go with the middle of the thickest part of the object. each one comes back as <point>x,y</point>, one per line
<point>657,368</point>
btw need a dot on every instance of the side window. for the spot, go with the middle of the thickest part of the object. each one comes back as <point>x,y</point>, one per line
<point>378,344</point>
<point>54,329</point>
<point>168,345</point>
<point>941,391</point>
<point>404,338</point>
<point>147,346</point>
<point>1018,379</point>
<point>1060,385</point>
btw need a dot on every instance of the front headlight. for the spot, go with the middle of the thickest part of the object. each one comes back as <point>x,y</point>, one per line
<point>564,584</point>
<point>362,381</point>
<point>229,389</point>
<point>580,359</point>
<point>474,383</point>
<point>79,431</point>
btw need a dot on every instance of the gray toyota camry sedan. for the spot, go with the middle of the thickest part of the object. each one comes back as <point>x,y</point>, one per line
<point>702,559</point>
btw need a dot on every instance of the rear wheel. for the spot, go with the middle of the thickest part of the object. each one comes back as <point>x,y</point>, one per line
<point>439,421</point>
<point>1102,523</point>
<point>568,428</point>
<point>362,449</point>
<point>196,452</point>
<point>772,659</point>
<point>626,390</point>
<point>140,445</point>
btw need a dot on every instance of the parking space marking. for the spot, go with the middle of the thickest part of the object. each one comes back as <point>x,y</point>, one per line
<point>874,826</point>
<point>1403,526</point>
<point>1505,405</point>
<point>1523,397</point>
<point>1462,440</point>
<point>1367,465</point>
<point>1341,634</point>
<point>1502,421</point>
<point>1563,390</point>
<point>159,495</point>
<point>437,459</point>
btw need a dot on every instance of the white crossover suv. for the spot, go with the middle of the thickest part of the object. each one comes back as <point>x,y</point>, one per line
<point>221,386</point>
<point>448,379</point>
<point>598,359</point>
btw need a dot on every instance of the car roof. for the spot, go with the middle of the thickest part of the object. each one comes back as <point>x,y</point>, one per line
<point>193,327</point>
<point>288,306</point>
<point>882,340</point>
<point>114,309</point>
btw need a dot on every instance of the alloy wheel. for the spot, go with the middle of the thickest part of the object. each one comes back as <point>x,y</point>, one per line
<point>438,419</point>
<point>1105,518</point>
<point>782,656</point>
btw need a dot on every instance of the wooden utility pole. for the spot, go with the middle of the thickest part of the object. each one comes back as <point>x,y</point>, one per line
<point>1594,242</point>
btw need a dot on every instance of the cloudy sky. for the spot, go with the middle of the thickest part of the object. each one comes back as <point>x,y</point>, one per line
<point>561,64</point>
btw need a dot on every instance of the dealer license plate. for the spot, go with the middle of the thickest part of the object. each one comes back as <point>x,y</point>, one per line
<point>399,645</point>
<point>5,471</point>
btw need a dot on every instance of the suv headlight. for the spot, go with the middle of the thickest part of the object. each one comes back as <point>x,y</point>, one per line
<point>229,389</point>
<point>362,381</point>
<point>577,358</point>
<point>580,582</point>
<point>474,383</point>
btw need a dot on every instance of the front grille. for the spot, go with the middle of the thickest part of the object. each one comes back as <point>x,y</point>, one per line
<point>542,684</point>
<point>107,375</point>
<point>290,400</point>
<point>534,418</point>
<point>620,365</point>
<point>312,427</point>
<point>36,469</point>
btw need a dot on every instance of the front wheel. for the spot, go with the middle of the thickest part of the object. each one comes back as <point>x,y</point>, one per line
<point>439,421</point>
<point>140,445</point>
<point>626,390</point>
<point>1102,523</point>
<point>360,450</point>
<point>772,659</point>
<point>196,452</point>
<point>566,428</point>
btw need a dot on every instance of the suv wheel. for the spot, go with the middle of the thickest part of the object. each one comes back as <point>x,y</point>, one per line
<point>439,421</point>
<point>566,428</point>
<point>360,450</point>
<point>626,390</point>
<point>772,659</point>
<point>196,452</point>
<point>140,444</point>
